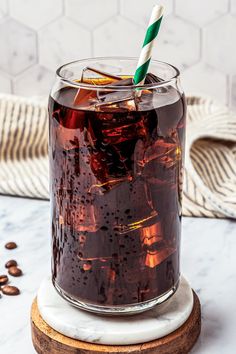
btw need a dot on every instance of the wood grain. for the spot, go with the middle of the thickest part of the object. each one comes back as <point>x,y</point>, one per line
<point>47,341</point>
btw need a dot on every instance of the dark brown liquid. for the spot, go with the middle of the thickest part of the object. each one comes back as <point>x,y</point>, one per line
<point>116,179</point>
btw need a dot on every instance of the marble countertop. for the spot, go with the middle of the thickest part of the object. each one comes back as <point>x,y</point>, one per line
<point>208,262</point>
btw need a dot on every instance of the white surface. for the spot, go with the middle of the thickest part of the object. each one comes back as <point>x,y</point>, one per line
<point>88,327</point>
<point>208,262</point>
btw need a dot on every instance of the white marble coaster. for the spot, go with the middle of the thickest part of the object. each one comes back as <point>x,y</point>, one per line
<point>88,327</point>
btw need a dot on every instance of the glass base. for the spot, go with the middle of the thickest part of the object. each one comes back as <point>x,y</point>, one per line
<point>132,309</point>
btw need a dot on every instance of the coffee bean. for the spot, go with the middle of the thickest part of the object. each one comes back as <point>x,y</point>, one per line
<point>15,271</point>
<point>11,263</point>
<point>10,245</point>
<point>10,290</point>
<point>3,279</point>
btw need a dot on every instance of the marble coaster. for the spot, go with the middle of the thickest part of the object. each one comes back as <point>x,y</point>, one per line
<point>124,330</point>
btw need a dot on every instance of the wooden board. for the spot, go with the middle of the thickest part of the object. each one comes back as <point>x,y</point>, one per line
<point>47,341</point>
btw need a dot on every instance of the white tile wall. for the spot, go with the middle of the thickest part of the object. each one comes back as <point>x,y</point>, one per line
<point>201,12</point>
<point>219,44</point>
<point>5,83</point>
<point>118,36</point>
<point>24,84</point>
<point>17,47</point>
<point>3,8</point>
<point>175,43</point>
<point>203,79</point>
<point>233,7</point>
<point>91,13</point>
<point>139,11</point>
<point>35,13</point>
<point>62,41</point>
<point>233,89</point>
<point>38,36</point>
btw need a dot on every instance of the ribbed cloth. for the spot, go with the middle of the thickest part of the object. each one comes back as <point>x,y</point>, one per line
<point>210,162</point>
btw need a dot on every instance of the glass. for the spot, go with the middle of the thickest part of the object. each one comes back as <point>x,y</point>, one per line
<point>116,164</point>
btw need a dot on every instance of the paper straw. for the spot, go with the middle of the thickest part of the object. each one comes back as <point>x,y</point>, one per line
<point>151,34</point>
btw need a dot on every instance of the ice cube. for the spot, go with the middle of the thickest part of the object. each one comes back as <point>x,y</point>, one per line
<point>160,168</point>
<point>151,234</point>
<point>131,99</point>
<point>113,100</point>
<point>108,100</point>
<point>92,76</point>
<point>156,257</point>
<point>99,188</point>
<point>139,157</point>
<point>152,79</point>
<point>170,109</point>
<point>105,102</point>
<point>112,97</point>
<point>84,98</point>
<point>141,212</point>
<point>108,165</point>
<point>164,151</point>
<point>67,139</point>
<point>128,131</point>
<point>84,218</point>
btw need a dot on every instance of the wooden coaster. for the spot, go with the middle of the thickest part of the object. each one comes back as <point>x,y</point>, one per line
<point>47,341</point>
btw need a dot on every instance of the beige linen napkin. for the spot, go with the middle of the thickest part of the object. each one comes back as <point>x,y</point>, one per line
<point>210,163</point>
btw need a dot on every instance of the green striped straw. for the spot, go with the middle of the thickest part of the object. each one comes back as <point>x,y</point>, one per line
<point>151,34</point>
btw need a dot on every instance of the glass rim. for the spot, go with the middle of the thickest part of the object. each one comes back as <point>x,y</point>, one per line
<point>113,87</point>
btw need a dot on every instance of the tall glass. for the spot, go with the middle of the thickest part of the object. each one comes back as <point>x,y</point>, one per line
<point>116,163</point>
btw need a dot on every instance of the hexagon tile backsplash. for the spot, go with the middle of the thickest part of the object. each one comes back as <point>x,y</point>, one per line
<point>38,36</point>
